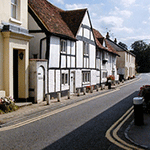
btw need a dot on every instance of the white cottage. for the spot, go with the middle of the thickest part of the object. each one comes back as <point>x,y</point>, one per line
<point>65,39</point>
<point>105,59</point>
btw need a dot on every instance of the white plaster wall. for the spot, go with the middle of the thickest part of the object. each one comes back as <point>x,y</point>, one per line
<point>51,81</point>
<point>63,61</point>
<point>78,78</point>
<point>54,51</point>
<point>73,48</point>
<point>57,80</point>
<point>86,20</point>
<point>87,33</point>
<point>73,62</point>
<point>68,61</point>
<point>93,77</point>
<point>79,54</point>
<point>92,56</point>
<point>68,47</point>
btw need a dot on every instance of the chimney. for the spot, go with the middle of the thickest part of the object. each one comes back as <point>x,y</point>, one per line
<point>115,40</point>
<point>107,36</point>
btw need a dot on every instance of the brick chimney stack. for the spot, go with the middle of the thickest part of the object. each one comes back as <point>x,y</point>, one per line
<point>107,36</point>
<point>115,40</point>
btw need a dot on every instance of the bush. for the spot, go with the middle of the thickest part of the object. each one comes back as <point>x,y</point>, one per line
<point>7,105</point>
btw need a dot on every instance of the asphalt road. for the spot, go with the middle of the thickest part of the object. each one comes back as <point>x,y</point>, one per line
<point>80,127</point>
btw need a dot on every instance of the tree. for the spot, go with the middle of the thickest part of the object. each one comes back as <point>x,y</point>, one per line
<point>123,45</point>
<point>142,52</point>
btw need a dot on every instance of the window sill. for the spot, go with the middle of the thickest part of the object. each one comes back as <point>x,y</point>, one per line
<point>15,21</point>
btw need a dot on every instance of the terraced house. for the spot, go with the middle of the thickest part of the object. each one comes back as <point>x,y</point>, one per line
<point>66,39</point>
<point>106,57</point>
<point>126,63</point>
<point>14,49</point>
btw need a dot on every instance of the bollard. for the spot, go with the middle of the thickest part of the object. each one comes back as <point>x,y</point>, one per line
<point>84,91</point>
<point>138,111</point>
<point>78,92</point>
<point>48,99</point>
<point>58,97</point>
<point>91,89</point>
<point>97,88</point>
<point>109,84</point>
<point>68,94</point>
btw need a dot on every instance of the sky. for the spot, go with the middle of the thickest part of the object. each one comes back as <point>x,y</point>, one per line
<point>126,20</point>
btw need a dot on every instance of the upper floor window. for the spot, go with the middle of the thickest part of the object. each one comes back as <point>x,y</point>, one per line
<point>63,46</point>
<point>14,9</point>
<point>86,48</point>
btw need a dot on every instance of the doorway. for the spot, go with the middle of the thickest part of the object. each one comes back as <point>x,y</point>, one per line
<point>15,74</point>
<point>72,82</point>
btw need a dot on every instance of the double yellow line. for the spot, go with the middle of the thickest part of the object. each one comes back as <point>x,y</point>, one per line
<point>112,136</point>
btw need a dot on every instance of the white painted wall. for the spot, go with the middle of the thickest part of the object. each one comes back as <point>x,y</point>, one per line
<point>54,52</point>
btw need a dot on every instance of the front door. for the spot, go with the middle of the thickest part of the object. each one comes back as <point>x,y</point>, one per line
<point>72,82</point>
<point>15,74</point>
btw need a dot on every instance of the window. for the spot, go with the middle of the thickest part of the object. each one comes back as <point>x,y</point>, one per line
<point>104,74</point>
<point>85,76</point>
<point>63,46</point>
<point>64,78</point>
<point>14,9</point>
<point>86,48</point>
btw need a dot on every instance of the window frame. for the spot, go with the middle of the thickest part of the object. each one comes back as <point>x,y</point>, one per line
<point>63,46</point>
<point>64,78</point>
<point>14,7</point>
<point>85,48</point>
<point>86,76</point>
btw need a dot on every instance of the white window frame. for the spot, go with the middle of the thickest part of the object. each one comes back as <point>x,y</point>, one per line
<point>86,77</point>
<point>63,46</point>
<point>14,7</point>
<point>64,78</point>
<point>86,48</point>
<point>105,74</point>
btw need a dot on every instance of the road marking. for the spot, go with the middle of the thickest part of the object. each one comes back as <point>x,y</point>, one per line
<point>52,112</point>
<point>115,128</point>
<point>130,82</point>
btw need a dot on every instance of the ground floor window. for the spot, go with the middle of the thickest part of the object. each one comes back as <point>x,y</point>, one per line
<point>104,74</point>
<point>64,78</point>
<point>85,76</point>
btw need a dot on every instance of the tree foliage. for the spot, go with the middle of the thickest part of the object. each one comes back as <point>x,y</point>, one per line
<point>123,45</point>
<point>142,52</point>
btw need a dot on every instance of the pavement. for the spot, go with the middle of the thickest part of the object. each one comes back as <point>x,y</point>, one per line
<point>139,135</point>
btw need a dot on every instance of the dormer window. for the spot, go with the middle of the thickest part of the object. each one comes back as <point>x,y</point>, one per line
<point>14,9</point>
<point>63,46</point>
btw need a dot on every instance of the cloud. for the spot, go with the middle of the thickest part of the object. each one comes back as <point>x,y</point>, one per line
<point>76,6</point>
<point>112,21</point>
<point>124,13</point>
<point>59,1</point>
<point>127,3</point>
<point>123,29</point>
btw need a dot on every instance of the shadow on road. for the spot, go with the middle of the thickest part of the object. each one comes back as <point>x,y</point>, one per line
<point>91,135</point>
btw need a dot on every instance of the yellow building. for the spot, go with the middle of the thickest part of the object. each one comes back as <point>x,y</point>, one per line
<point>14,49</point>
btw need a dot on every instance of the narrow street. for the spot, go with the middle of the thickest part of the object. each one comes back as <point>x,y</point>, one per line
<point>76,127</point>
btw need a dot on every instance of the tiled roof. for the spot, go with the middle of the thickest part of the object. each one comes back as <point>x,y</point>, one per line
<point>73,19</point>
<point>99,40</point>
<point>51,17</point>
<point>117,47</point>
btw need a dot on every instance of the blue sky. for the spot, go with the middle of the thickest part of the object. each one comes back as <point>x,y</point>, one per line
<point>126,20</point>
